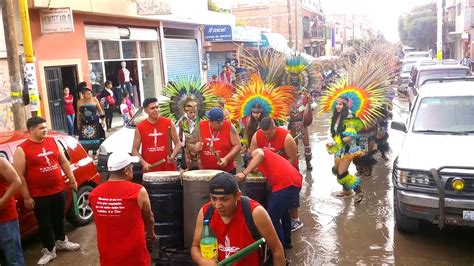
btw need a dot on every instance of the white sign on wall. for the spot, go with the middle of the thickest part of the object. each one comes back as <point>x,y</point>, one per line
<point>56,20</point>
<point>153,7</point>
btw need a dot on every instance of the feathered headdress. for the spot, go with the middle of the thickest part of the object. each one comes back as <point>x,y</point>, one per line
<point>269,64</point>
<point>275,102</point>
<point>221,89</point>
<point>181,92</point>
<point>365,86</point>
<point>299,71</point>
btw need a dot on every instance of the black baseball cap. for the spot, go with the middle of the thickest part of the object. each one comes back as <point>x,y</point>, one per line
<point>223,184</point>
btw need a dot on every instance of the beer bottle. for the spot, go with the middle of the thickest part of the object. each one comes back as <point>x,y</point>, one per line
<point>208,242</point>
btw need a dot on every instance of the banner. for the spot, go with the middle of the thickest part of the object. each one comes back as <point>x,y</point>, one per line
<point>56,20</point>
<point>153,7</point>
<point>217,33</point>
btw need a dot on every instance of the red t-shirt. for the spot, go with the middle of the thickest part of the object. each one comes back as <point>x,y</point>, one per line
<point>235,235</point>
<point>119,223</point>
<point>279,172</point>
<point>42,170</point>
<point>276,144</point>
<point>222,146</point>
<point>155,143</point>
<point>68,100</point>
<point>8,213</point>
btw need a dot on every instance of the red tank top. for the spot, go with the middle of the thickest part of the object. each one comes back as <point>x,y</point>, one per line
<point>277,143</point>
<point>119,223</point>
<point>155,143</point>
<point>235,235</point>
<point>279,172</point>
<point>42,170</point>
<point>8,213</point>
<point>222,146</point>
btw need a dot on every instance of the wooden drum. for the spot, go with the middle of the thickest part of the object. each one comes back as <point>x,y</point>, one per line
<point>196,194</point>
<point>255,187</point>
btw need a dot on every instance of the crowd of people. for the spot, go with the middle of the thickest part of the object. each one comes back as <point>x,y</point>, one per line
<point>208,130</point>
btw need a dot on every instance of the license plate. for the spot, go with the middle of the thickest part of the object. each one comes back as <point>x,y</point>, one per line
<point>468,215</point>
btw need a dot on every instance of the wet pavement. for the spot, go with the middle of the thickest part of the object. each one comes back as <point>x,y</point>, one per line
<point>336,231</point>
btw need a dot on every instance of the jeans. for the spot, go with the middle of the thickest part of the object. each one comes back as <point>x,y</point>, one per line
<point>10,243</point>
<point>109,114</point>
<point>125,118</point>
<point>128,86</point>
<point>279,211</point>
<point>118,95</point>
<point>70,124</point>
<point>49,212</point>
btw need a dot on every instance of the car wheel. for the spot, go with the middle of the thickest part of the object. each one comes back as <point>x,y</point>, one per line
<point>85,210</point>
<point>404,223</point>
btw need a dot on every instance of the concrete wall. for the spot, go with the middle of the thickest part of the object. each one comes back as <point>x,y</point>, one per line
<point>6,114</point>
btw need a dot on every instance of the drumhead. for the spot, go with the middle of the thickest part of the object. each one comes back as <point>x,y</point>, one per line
<point>161,176</point>
<point>200,175</point>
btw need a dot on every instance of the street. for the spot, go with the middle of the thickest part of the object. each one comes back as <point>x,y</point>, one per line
<point>336,231</point>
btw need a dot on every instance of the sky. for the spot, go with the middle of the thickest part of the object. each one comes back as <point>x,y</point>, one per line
<point>382,13</point>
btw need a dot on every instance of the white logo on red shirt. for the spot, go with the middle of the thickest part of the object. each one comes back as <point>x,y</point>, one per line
<point>45,155</point>
<point>228,249</point>
<point>155,134</point>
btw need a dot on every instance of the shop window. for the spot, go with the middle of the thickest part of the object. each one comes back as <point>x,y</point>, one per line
<point>96,75</point>
<point>148,74</point>
<point>93,50</point>
<point>146,49</point>
<point>129,50</point>
<point>111,49</point>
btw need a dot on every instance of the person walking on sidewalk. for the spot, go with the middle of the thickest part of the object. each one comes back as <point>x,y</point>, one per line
<point>69,110</point>
<point>38,161</point>
<point>10,238</point>
<point>121,234</point>
<point>107,101</point>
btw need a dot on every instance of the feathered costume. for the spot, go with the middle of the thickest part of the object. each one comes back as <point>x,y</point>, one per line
<point>363,90</point>
<point>302,77</point>
<point>187,92</point>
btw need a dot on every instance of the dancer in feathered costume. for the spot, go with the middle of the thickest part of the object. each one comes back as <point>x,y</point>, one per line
<point>257,100</point>
<point>303,79</point>
<point>187,104</point>
<point>355,101</point>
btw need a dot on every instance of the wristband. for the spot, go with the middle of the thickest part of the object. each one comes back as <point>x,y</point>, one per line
<point>244,173</point>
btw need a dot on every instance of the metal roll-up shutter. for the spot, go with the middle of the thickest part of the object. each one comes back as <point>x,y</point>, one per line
<point>182,58</point>
<point>216,62</point>
<point>101,32</point>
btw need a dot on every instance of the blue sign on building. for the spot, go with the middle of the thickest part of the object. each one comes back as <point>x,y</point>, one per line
<point>217,33</point>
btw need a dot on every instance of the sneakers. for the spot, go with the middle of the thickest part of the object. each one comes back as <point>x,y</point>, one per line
<point>47,256</point>
<point>66,245</point>
<point>296,224</point>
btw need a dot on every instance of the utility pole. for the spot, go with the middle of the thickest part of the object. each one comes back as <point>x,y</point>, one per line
<point>290,42</point>
<point>296,25</point>
<point>13,64</point>
<point>439,42</point>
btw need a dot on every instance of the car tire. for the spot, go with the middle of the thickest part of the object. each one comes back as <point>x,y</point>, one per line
<point>85,211</point>
<point>404,223</point>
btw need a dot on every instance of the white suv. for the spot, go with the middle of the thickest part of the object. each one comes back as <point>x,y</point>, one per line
<point>433,175</point>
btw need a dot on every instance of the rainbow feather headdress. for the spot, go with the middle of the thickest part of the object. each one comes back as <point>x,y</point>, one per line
<point>184,90</point>
<point>299,71</point>
<point>275,102</point>
<point>366,86</point>
<point>221,89</point>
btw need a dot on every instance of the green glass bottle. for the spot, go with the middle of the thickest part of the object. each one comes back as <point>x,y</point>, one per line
<point>208,242</point>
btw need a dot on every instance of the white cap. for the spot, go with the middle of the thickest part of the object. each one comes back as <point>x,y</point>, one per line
<point>120,160</point>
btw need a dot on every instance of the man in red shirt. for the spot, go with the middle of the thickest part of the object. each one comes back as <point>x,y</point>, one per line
<point>285,182</point>
<point>279,140</point>
<point>122,215</point>
<point>217,143</point>
<point>38,161</point>
<point>230,227</point>
<point>10,238</point>
<point>153,135</point>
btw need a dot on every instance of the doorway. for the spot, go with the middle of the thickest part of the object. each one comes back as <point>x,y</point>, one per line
<point>112,69</point>
<point>57,78</point>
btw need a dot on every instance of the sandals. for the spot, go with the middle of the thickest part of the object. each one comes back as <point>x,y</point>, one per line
<point>359,197</point>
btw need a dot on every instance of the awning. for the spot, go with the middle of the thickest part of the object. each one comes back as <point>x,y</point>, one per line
<point>276,41</point>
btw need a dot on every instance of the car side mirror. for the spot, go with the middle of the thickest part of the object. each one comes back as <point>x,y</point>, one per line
<point>399,126</point>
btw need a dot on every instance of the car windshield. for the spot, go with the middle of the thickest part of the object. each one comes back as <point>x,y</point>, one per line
<point>139,116</point>
<point>442,73</point>
<point>445,115</point>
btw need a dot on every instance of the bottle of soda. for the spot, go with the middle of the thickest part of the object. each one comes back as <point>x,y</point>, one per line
<point>208,242</point>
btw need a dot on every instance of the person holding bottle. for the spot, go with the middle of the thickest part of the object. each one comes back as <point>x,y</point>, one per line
<point>228,223</point>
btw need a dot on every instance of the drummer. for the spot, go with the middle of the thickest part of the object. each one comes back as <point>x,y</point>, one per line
<point>279,140</point>
<point>228,221</point>
<point>217,143</point>
<point>155,135</point>
<point>285,183</point>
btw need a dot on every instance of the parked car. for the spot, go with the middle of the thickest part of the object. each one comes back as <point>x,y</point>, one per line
<point>425,70</point>
<point>405,70</point>
<point>419,54</point>
<point>433,175</point>
<point>82,166</point>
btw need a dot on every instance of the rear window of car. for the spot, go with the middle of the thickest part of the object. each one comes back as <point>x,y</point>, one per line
<point>442,73</point>
<point>445,114</point>
<point>427,55</point>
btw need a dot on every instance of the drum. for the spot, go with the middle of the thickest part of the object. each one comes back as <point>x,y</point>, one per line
<point>166,198</point>
<point>255,187</point>
<point>196,194</point>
